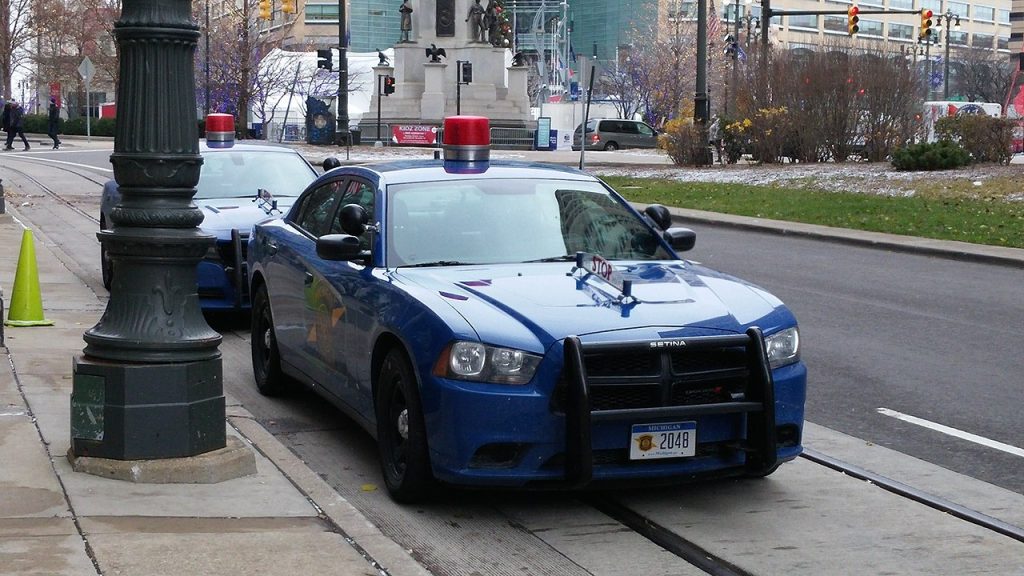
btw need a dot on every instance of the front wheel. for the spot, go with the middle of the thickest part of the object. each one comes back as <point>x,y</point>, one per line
<point>401,433</point>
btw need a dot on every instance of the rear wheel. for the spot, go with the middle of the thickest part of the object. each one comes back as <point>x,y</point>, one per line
<point>611,146</point>
<point>266,360</point>
<point>401,433</point>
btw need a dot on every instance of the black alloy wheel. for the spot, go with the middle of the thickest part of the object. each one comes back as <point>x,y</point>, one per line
<point>266,360</point>
<point>401,433</point>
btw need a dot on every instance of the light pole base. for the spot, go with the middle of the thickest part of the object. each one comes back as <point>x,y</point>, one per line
<point>128,411</point>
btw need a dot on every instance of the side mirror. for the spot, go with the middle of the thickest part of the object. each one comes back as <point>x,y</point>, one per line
<point>338,247</point>
<point>353,219</point>
<point>680,239</point>
<point>659,215</point>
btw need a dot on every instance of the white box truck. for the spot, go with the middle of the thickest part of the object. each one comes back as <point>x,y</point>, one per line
<point>934,110</point>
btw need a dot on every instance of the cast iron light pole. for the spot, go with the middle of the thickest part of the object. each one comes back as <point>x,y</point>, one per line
<point>149,383</point>
<point>949,17</point>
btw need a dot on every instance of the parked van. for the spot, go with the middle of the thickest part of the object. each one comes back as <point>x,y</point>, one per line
<point>614,133</point>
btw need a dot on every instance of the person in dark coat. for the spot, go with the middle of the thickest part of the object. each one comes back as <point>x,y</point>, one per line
<point>16,126</point>
<point>7,116</point>
<point>54,122</point>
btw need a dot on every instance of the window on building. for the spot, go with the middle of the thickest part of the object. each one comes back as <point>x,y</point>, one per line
<point>986,13</point>
<point>901,31</point>
<point>1004,16</point>
<point>835,24</point>
<point>958,38</point>
<point>870,27</point>
<point>902,4</point>
<point>933,5</point>
<point>803,21</point>
<point>982,40</point>
<point>316,13</point>
<point>1003,43</point>
<point>960,9</point>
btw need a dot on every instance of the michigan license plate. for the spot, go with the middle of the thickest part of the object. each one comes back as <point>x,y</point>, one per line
<point>666,440</point>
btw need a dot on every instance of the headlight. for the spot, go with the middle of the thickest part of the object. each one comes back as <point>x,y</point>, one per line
<point>481,363</point>
<point>783,347</point>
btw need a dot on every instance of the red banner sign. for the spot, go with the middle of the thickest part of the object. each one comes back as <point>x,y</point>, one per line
<point>414,134</point>
<point>55,92</point>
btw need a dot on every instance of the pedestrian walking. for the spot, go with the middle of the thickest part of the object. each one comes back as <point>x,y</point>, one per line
<point>54,122</point>
<point>7,119</point>
<point>16,125</point>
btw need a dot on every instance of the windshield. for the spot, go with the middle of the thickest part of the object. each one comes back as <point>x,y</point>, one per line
<point>512,220</point>
<point>240,173</point>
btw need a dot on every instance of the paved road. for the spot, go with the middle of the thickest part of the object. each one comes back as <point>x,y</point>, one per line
<point>803,520</point>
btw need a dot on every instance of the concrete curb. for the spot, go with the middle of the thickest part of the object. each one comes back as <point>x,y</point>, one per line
<point>379,550</point>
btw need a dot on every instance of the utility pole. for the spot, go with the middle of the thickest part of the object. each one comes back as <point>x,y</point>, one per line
<point>343,133</point>
<point>734,106</point>
<point>700,98</point>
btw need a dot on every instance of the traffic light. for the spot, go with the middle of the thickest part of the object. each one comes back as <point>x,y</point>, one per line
<point>852,19</point>
<point>264,9</point>
<point>926,24</point>
<point>466,73</point>
<point>324,59</point>
<point>288,6</point>
<point>389,85</point>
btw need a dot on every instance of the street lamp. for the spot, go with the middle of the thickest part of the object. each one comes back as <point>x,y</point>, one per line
<point>949,16</point>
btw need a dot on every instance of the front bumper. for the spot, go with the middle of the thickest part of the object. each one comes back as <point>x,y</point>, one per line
<point>222,277</point>
<point>554,434</point>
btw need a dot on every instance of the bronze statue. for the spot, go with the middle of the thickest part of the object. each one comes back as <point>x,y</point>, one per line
<point>477,28</point>
<point>406,10</point>
<point>491,21</point>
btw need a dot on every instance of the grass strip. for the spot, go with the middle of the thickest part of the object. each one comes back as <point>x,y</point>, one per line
<point>978,221</point>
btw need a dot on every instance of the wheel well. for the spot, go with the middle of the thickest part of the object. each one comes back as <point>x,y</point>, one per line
<point>385,343</point>
<point>256,282</point>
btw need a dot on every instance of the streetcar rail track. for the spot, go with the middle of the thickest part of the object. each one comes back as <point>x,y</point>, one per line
<point>715,565</point>
<point>52,193</point>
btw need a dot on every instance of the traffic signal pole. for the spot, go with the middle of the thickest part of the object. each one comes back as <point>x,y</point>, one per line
<point>380,94</point>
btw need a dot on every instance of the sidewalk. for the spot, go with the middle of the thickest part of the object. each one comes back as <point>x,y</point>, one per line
<point>53,521</point>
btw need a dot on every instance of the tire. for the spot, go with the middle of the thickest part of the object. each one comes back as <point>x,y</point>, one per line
<point>106,266</point>
<point>401,433</point>
<point>266,360</point>
<point>611,147</point>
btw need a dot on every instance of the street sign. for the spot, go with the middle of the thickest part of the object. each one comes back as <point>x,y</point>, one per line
<point>87,69</point>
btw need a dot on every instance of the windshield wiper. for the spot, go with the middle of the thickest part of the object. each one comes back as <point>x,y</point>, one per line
<point>562,258</point>
<point>439,263</point>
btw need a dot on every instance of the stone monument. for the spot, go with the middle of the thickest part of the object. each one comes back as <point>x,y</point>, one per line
<point>426,92</point>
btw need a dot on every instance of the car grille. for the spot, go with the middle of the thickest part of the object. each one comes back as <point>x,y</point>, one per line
<point>696,374</point>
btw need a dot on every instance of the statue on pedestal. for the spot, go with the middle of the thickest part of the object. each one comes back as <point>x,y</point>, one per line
<point>491,21</point>
<point>406,11</point>
<point>476,17</point>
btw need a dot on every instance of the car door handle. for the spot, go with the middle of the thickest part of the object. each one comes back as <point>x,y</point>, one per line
<point>270,247</point>
<point>309,279</point>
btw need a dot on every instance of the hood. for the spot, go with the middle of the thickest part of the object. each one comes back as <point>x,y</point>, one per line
<point>513,305</point>
<point>221,215</point>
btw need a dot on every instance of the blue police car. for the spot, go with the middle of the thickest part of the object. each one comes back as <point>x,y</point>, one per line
<point>521,325</point>
<point>238,186</point>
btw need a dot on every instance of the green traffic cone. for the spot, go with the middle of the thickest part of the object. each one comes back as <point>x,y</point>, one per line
<point>26,301</point>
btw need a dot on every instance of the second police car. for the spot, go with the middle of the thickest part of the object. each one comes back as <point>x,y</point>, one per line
<point>239,184</point>
<point>521,325</point>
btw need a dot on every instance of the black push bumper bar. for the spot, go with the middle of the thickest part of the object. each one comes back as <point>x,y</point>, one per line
<point>757,404</point>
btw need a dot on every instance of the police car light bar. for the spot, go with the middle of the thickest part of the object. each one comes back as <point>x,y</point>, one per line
<point>220,130</point>
<point>467,139</point>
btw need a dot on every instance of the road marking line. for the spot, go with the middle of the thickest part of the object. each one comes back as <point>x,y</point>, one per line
<point>76,164</point>
<point>953,432</point>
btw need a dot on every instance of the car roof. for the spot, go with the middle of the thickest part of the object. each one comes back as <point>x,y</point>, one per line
<point>240,147</point>
<point>408,171</point>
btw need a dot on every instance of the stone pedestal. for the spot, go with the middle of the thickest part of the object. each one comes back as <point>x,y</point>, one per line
<point>432,104</point>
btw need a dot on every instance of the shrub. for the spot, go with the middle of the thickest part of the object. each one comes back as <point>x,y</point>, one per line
<point>986,138</point>
<point>684,143</point>
<point>941,155</point>
<point>100,127</point>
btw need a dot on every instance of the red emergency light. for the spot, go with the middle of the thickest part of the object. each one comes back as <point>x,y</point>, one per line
<point>467,139</point>
<point>220,130</point>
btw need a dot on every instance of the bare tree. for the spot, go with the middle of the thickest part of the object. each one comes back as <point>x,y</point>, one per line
<point>15,34</point>
<point>982,75</point>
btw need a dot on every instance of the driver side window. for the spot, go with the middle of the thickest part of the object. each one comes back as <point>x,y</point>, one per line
<point>315,217</point>
<point>361,193</point>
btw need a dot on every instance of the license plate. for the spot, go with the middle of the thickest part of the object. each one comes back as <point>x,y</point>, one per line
<point>666,440</point>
